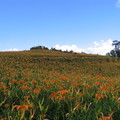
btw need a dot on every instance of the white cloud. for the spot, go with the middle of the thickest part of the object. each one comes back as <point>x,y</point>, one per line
<point>118,3</point>
<point>68,48</point>
<point>102,47</point>
<point>11,49</point>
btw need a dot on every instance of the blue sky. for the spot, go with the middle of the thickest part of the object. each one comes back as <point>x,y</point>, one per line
<point>81,25</point>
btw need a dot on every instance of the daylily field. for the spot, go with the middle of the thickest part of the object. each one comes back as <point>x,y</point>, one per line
<point>52,85</point>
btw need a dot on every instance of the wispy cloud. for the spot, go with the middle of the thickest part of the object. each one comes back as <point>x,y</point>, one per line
<point>118,3</point>
<point>11,49</point>
<point>99,47</point>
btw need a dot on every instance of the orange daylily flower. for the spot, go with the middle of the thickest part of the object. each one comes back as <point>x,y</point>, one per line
<point>7,105</point>
<point>21,81</point>
<point>37,91</point>
<point>100,96</point>
<point>22,107</point>
<point>63,92</point>
<point>105,118</point>
<point>34,81</point>
<point>13,80</point>
<point>97,83</point>
<point>58,93</point>
<point>80,94</point>
<point>25,87</point>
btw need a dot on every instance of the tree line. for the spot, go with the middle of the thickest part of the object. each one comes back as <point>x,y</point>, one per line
<point>46,48</point>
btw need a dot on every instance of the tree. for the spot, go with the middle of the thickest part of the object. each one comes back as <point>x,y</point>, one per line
<point>116,43</point>
<point>111,53</point>
<point>116,51</point>
<point>39,47</point>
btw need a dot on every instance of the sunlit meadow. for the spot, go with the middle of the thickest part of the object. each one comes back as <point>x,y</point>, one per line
<point>52,85</point>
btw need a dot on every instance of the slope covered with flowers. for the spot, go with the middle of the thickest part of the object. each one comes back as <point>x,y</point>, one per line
<point>44,84</point>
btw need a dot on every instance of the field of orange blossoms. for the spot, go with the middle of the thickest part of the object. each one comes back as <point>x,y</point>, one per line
<point>52,85</point>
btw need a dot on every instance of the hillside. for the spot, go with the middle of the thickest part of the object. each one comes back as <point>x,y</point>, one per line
<point>53,85</point>
<point>87,63</point>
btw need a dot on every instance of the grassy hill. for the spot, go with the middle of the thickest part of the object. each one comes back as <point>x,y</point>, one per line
<point>44,84</point>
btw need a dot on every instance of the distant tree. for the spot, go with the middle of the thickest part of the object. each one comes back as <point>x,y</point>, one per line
<point>54,49</point>
<point>116,43</point>
<point>116,51</point>
<point>66,51</point>
<point>71,51</point>
<point>39,47</point>
<point>112,53</point>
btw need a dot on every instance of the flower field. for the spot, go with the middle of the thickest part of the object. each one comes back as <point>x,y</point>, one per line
<point>52,85</point>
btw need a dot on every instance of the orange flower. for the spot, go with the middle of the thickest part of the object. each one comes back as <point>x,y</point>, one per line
<point>13,80</point>
<point>60,97</point>
<point>7,105</point>
<point>43,115</point>
<point>49,76</point>
<point>103,87</point>
<point>81,94</point>
<point>21,81</point>
<point>71,98</point>
<point>47,81</point>
<point>117,91</point>
<point>3,86</point>
<point>26,83</point>
<point>34,81</point>
<point>37,91</point>
<point>75,84</point>
<point>118,102</point>
<point>63,78</point>
<point>27,97</point>
<point>105,118</point>
<point>53,95</point>
<point>1,83</point>
<point>49,86</point>
<point>97,83</point>
<point>89,87</point>
<point>25,87</point>
<point>39,86</point>
<point>3,118</point>
<point>22,107</point>
<point>57,95</point>
<point>59,86</point>
<point>63,92</point>
<point>5,90</point>
<point>99,96</point>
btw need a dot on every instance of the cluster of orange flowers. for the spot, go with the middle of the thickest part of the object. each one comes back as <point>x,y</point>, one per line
<point>59,95</point>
